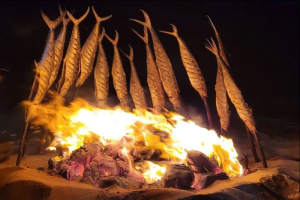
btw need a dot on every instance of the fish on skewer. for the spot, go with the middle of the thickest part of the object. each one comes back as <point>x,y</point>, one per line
<point>164,65</point>
<point>153,78</point>
<point>42,78</point>
<point>118,74</point>
<point>59,48</point>
<point>101,74</point>
<point>71,60</point>
<point>236,97</point>
<point>194,73</point>
<point>136,90</point>
<point>88,52</point>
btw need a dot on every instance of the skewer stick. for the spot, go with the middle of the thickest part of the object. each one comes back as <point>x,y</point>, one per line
<point>22,148</point>
<point>262,154</point>
<point>208,113</point>
<point>253,149</point>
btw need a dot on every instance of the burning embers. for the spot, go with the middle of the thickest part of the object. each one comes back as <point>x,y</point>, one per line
<point>134,149</point>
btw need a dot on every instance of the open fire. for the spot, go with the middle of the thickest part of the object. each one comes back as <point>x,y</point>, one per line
<point>111,145</point>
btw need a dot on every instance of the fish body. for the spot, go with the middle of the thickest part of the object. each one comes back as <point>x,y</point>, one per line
<point>45,66</point>
<point>136,90</point>
<point>101,73</point>
<point>234,93</point>
<point>59,48</point>
<point>118,74</point>
<point>164,66</point>
<point>71,60</point>
<point>190,64</point>
<point>153,78</point>
<point>88,52</point>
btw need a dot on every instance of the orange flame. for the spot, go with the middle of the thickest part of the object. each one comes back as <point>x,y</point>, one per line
<point>83,123</point>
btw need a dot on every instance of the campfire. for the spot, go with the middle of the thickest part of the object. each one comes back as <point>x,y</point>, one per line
<point>134,149</point>
<point>145,147</point>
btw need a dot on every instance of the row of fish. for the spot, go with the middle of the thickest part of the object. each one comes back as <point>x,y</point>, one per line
<point>78,65</point>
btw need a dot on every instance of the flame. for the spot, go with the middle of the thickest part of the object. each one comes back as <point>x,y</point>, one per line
<point>153,172</point>
<point>82,123</point>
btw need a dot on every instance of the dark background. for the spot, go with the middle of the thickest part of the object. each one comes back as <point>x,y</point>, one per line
<point>260,38</point>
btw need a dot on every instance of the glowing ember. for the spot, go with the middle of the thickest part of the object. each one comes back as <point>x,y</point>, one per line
<point>82,123</point>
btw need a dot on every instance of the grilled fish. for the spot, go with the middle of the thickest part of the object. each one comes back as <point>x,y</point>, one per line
<point>59,48</point>
<point>71,60</point>
<point>118,74</point>
<point>136,90</point>
<point>164,65</point>
<point>88,52</point>
<point>45,66</point>
<point>101,73</point>
<point>153,78</point>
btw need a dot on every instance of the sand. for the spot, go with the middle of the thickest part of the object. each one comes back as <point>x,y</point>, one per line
<point>28,183</point>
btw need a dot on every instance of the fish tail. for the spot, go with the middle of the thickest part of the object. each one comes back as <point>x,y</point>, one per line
<point>145,37</point>
<point>77,21</point>
<point>114,42</point>
<point>147,22</point>
<point>52,24</point>
<point>100,19</point>
<point>212,25</point>
<point>101,36</point>
<point>64,20</point>
<point>211,46</point>
<point>175,32</point>
<point>130,55</point>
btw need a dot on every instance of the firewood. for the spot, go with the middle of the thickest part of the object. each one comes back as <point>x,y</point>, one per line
<point>178,176</point>
<point>204,180</point>
<point>199,162</point>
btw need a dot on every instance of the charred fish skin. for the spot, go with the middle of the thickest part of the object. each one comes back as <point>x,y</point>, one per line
<point>71,60</point>
<point>88,52</point>
<point>153,78</point>
<point>45,66</point>
<point>101,73</point>
<point>164,66</point>
<point>59,47</point>
<point>190,64</point>
<point>136,90</point>
<point>118,74</point>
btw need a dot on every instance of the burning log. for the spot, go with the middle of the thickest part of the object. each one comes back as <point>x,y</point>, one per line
<point>194,73</point>
<point>164,65</point>
<point>178,176</point>
<point>204,180</point>
<point>199,162</point>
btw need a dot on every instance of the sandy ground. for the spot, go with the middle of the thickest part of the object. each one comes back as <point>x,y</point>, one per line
<point>27,182</point>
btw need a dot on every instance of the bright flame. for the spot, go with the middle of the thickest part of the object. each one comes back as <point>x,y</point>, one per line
<point>82,123</point>
<point>153,172</point>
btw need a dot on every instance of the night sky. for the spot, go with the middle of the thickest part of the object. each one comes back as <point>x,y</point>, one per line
<point>260,38</point>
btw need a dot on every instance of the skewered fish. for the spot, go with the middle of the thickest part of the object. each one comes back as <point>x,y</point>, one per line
<point>164,65</point>
<point>136,90</point>
<point>71,60</point>
<point>153,78</point>
<point>59,48</point>
<point>194,73</point>
<point>45,66</point>
<point>118,74</point>
<point>88,52</point>
<point>101,73</point>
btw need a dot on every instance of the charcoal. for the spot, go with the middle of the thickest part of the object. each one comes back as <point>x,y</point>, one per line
<point>108,181</point>
<point>204,180</point>
<point>142,153</point>
<point>123,167</point>
<point>54,162</point>
<point>75,172</point>
<point>178,176</point>
<point>63,170</point>
<point>130,183</point>
<point>93,149</point>
<point>199,162</point>
<point>80,156</point>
